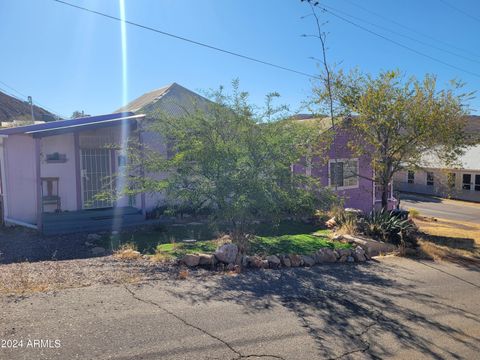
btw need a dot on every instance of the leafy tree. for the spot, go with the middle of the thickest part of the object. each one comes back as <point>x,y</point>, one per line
<point>78,114</point>
<point>234,160</point>
<point>397,121</point>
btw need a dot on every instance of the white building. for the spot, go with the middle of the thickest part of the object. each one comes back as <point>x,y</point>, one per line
<point>459,182</point>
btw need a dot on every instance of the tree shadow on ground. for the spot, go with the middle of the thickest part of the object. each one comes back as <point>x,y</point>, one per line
<point>348,307</point>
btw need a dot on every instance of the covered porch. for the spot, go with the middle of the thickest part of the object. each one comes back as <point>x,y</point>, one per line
<point>51,174</point>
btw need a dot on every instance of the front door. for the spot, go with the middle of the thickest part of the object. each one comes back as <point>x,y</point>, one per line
<point>96,172</point>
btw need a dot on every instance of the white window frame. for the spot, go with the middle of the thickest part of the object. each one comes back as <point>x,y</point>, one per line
<point>343,187</point>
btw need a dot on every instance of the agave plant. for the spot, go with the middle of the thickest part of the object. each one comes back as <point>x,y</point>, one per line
<point>388,226</point>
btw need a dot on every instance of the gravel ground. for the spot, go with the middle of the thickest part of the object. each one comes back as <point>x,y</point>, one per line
<point>25,278</point>
<point>21,244</point>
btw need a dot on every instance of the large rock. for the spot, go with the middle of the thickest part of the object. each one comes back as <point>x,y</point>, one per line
<point>295,260</point>
<point>359,254</point>
<point>308,260</point>
<point>255,262</point>
<point>207,259</point>
<point>273,261</point>
<point>325,255</point>
<point>371,247</point>
<point>285,261</point>
<point>227,253</point>
<point>191,260</point>
<point>344,252</point>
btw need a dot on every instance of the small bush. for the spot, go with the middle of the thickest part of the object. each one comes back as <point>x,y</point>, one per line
<point>127,251</point>
<point>348,222</point>
<point>161,256</point>
<point>413,213</point>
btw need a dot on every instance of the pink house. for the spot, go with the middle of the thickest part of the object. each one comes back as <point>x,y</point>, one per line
<point>50,173</point>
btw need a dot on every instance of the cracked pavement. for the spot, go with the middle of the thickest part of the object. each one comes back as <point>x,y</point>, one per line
<point>393,308</point>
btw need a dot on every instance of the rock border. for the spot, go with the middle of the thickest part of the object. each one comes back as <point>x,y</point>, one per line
<point>227,257</point>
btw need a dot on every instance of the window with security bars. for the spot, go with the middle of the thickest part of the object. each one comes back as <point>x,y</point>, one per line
<point>344,173</point>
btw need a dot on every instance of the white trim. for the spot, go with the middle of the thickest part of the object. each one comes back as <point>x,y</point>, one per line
<point>9,221</point>
<point>3,171</point>
<point>86,124</point>
<point>344,187</point>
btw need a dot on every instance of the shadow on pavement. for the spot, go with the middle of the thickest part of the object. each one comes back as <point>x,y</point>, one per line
<point>348,307</point>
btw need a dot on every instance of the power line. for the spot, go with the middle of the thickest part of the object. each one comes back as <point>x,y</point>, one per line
<point>383,17</point>
<point>461,11</point>
<point>25,97</point>
<point>396,42</point>
<point>404,35</point>
<point>189,40</point>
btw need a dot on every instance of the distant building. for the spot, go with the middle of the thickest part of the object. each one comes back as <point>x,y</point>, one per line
<point>459,182</point>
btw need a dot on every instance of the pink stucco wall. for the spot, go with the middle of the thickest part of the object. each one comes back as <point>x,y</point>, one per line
<point>20,178</point>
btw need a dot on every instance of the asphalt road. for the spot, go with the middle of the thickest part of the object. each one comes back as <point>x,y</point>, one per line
<point>395,308</point>
<point>442,208</point>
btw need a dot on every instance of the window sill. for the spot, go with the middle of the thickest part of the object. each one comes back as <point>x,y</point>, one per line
<point>59,161</point>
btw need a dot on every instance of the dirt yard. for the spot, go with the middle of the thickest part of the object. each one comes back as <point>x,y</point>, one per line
<point>449,240</point>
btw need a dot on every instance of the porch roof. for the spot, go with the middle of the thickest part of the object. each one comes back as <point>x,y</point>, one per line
<point>65,126</point>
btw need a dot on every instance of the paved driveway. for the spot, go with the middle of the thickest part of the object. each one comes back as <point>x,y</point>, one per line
<point>442,208</point>
<point>396,308</point>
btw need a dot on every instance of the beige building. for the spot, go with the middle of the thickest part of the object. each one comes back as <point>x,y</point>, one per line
<point>462,182</point>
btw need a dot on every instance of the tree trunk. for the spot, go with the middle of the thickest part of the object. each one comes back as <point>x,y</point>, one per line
<point>385,197</point>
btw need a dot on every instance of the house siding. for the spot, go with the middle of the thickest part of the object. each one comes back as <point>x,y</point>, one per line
<point>440,187</point>
<point>360,197</point>
<point>20,177</point>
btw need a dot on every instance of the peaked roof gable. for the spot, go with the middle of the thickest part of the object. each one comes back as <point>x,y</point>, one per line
<point>173,100</point>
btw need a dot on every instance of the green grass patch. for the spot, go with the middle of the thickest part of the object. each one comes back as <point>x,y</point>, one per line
<point>263,245</point>
<point>180,249</point>
<point>302,244</point>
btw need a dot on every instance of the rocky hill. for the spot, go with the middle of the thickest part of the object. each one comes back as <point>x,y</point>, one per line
<point>12,109</point>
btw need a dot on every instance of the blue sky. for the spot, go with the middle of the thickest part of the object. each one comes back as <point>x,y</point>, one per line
<point>69,60</point>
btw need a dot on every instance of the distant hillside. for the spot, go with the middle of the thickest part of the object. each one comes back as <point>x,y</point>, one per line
<point>14,109</point>
<point>473,127</point>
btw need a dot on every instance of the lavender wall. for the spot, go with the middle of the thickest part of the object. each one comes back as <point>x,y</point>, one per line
<point>21,178</point>
<point>358,198</point>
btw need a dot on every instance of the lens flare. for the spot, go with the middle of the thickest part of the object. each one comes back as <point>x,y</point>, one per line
<point>124,132</point>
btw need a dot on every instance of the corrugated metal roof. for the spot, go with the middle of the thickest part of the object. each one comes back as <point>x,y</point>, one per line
<point>29,129</point>
<point>172,100</point>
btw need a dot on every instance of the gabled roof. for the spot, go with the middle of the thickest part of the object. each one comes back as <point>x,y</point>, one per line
<point>173,100</point>
<point>63,126</point>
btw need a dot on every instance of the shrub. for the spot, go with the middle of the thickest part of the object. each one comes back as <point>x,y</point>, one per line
<point>413,213</point>
<point>127,251</point>
<point>348,222</point>
<point>388,226</point>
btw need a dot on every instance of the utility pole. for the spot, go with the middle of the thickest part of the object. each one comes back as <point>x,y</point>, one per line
<point>31,108</point>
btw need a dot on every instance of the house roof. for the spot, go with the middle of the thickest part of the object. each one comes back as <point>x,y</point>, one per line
<point>171,100</point>
<point>469,161</point>
<point>63,126</point>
